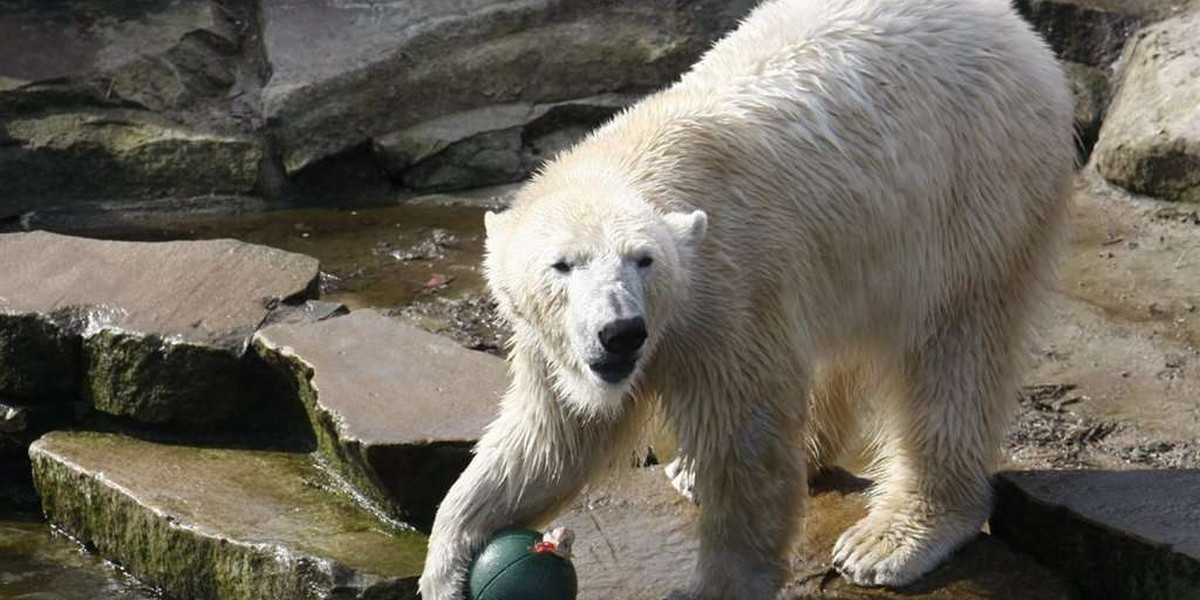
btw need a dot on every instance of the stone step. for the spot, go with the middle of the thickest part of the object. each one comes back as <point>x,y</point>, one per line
<point>150,331</point>
<point>396,410</point>
<point>210,523</point>
<point>1122,535</point>
<point>635,540</point>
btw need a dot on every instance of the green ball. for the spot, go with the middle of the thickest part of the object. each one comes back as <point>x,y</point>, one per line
<point>509,569</point>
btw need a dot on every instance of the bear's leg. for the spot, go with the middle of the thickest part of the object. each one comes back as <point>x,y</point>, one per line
<point>934,490</point>
<point>750,483</point>
<point>530,463</point>
<point>833,414</point>
<point>831,425</point>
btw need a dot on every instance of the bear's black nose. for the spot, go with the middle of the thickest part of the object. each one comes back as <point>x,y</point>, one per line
<point>623,336</point>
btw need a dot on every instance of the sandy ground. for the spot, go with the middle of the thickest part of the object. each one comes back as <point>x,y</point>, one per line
<point>1115,379</point>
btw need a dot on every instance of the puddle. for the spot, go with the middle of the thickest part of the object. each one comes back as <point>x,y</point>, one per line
<point>36,564</point>
<point>378,257</point>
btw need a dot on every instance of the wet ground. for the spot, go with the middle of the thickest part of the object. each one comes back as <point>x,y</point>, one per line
<point>38,564</point>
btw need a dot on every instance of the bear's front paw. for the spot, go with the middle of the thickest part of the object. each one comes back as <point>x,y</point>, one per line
<point>682,474</point>
<point>894,549</point>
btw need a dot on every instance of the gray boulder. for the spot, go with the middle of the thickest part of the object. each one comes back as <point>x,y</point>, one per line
<point>155,54</point>
<point>1150,142</point>
<point>346,73</point>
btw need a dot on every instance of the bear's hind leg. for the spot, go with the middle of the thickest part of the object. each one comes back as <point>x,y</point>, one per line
<point>934,492</point>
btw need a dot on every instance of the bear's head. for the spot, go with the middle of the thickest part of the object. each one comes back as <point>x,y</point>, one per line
<point>592,279</point>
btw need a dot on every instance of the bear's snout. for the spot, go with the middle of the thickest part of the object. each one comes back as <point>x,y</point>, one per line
<point>621,340</point>
<point>623,336</point>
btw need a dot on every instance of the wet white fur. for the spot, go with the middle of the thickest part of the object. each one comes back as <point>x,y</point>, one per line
<point>882,185</point>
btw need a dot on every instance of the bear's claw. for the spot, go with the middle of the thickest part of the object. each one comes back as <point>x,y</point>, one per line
<point>894,550</point>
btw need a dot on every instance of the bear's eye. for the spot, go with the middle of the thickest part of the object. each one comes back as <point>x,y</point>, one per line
<point>644,262</point>
<point>561,266</point>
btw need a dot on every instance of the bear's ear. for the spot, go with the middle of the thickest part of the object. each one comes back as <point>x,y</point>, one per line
<point>688,228</point>
<point>495,223</point>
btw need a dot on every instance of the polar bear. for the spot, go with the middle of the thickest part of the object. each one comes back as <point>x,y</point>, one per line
<point>843,214</point>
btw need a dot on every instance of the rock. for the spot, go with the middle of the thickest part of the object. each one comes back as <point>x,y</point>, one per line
<point>309,311</point>
<point>1087,31</point>
<point>156,54</point>
<point>42,359</point>
<point>221,523</point>
<point>1118,534</point>
<point>19,419</point>
<point>635,540</point>
<point>343,74</point>
<point>20,424</point>
<point>1089,87</point>
<point>396,410</point>
<point>491,145</point>
<point>13,419</point>
<point>1150,142</point>
<point>161,327</point>
<point>90,155</point>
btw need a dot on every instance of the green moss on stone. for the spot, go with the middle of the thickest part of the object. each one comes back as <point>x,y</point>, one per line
<point>347,457</point>
<point>232,524</point>
<point>157,381</point>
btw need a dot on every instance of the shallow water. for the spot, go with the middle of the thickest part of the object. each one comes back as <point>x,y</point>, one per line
<point>381,257</point>
<point>37,564</point>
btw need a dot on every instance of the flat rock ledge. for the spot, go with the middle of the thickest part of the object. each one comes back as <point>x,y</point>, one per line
<point>208,523</point>
<point>395,409</point>
<point>1123,535</point>
<point>150,331</point>
<point>635,540</point>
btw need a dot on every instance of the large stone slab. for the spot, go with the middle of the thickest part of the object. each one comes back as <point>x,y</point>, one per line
<point>635,540</point>
<point>1150,142</point>
<point>157,54</point>
<point>211,523</point>
<point>151,331</point>
<point>396,410</point>
<point>344,73</point>
<point>1119,534</point>
<point>95,154</point>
